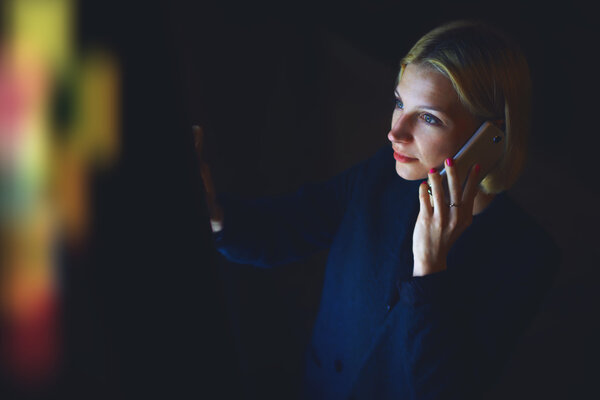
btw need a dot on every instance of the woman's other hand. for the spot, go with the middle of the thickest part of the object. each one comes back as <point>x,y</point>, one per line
<point>214,209</point>
<point>439,224</point>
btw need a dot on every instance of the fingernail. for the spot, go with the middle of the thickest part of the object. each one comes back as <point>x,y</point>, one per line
<point>432,171</point>
<point>424,183</point>
<point>477,168</point>
<point>449,162</point>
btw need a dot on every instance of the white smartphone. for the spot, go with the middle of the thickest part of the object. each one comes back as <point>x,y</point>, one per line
<point>486,147</point>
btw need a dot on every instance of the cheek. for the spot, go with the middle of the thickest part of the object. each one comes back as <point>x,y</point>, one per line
<point>434,152</point>
<point>445,145</point>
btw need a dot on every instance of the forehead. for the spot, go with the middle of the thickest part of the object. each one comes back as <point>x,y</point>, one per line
<point>427,87</point>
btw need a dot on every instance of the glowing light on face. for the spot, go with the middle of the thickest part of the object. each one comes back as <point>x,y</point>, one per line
<point>429,123</point>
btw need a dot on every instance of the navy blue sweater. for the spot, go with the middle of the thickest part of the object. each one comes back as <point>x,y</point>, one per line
<point>380,332</point>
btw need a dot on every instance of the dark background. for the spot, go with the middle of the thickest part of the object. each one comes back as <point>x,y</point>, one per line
<point>293,92</point>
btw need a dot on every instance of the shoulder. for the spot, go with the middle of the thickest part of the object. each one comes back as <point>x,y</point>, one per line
<point>381,162</point>
<point>515,243</point>
<point>380,169</point>
<point>373,164</point>
<point>516,226</point>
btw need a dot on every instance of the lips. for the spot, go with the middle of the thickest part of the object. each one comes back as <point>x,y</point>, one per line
<point>402,158</point>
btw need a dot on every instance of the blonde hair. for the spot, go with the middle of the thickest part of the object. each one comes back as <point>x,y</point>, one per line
<point>491,77</point>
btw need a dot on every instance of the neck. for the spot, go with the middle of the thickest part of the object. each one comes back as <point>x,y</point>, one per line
<point>482,200</point>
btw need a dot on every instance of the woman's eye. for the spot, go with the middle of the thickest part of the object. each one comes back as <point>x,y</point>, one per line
<point>399,104</point>
<point>430,119</point>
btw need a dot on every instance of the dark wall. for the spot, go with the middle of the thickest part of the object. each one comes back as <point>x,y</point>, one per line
<point>296,93</point>
<point>292,93</point>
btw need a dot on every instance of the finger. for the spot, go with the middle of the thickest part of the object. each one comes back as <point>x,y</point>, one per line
<point>425,199</point>
<point>437,192</point>
<point>454,183</point>
<point>205,173</point>
<point>214,209</point>
<point>471,188</point>
<point>206,176</point>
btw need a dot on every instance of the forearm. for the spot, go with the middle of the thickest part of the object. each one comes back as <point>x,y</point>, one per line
<point>273,231</point>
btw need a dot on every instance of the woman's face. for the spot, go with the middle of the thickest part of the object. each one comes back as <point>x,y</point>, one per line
<point>429,123</point>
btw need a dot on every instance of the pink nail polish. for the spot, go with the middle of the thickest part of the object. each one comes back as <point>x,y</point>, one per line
<point>432,171</point>
<point>449,162</point>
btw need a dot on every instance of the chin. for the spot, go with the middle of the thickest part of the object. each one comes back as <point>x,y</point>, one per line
<point>409,172</point>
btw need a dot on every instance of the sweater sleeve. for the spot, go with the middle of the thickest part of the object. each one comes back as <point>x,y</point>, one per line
<point>272,231</point>
<point>458,330</point>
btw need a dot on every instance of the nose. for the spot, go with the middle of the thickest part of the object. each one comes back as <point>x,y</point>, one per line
<point>401,131</point>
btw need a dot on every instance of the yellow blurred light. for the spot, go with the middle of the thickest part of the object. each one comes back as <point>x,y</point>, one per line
<point>97,120</point>
<point>47,24</point>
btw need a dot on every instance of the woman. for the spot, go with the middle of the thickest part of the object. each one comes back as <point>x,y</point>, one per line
<point>422,298</point>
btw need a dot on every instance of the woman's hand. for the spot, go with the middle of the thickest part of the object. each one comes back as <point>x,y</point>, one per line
<point>214,209</point>
<point>439,224</point>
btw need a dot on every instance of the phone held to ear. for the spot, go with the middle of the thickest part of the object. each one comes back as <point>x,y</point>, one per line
<point>485,147</point>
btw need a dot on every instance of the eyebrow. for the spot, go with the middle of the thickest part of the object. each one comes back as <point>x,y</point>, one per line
<point>425,107</point>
